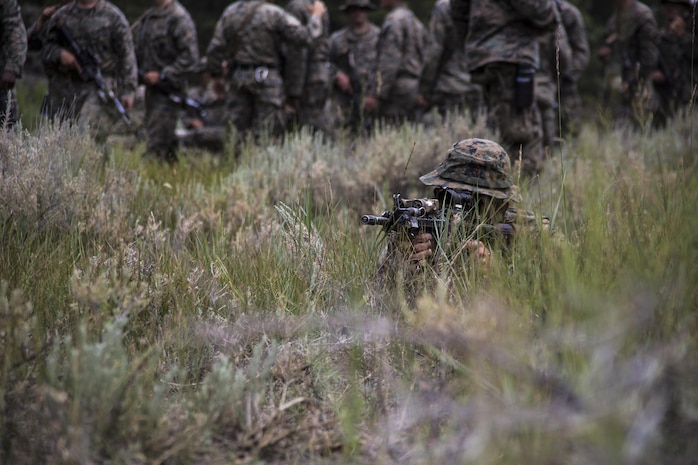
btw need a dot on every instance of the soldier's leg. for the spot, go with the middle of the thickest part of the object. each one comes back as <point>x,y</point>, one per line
<point>238,110</point>
<point>546,100</point>
<point>571,108</point>
<point>160,124</point>
<point>314,107</point>
<point>102,117</point>
<point>519,127</point>
<point>268,115</point>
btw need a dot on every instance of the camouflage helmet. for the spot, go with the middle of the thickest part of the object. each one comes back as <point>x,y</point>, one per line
<point>476,165</point>
<point>358,4</point>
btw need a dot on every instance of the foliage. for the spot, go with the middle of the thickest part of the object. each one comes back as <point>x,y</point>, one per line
<point>224,311</point>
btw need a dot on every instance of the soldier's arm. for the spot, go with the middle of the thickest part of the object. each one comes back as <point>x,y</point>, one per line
<point>388,60</point>
<point>14,38</point>
<point>296,57</point>
<point>127,71</point>
<point>540,13</point>
<point>460,13</point>
<point>440,31</point>
<point>216,53</point>
<point>187,48</point>
<point>564,50</point>
<point>648,37</point>
<point>574,26</point>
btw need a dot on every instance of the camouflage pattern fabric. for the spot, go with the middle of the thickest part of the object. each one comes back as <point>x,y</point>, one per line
<point>13,52</point>
<point>104,29</point>
<point>680,57</point>
<point>501,30</point>
<point>165,40</point>
<point>401,49</point>
<point>501,36</point>
<point>212,135</point>
<point>445,81</point>
<point>555,60</point>
<point>307,70</point>
<point>256,85</point>
<point>573,22</point>
<point>354,54</point>
<point>633,36</point>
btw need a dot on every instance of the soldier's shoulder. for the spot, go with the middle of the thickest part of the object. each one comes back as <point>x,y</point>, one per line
<point>180,10</point>
<point>443,6</point>
<point>569,12</point>
<point>643,13</point>
<point>107,8</point>
<point>527,219</point>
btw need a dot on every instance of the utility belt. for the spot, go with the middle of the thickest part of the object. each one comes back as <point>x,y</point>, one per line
<point>261,72</point>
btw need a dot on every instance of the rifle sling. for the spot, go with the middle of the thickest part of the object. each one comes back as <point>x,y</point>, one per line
<point>243,26</point>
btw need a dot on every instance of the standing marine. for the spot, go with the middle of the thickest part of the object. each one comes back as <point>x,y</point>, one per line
<point>249,36</point>
<point>307,71</point>
<point>99,28</point>
<point>630,46</point>
<point>13,52</point>
<point>166,49</point>
<point>573,22</point>
<point>394,86</point>
<point>501,46</point>
<point>677,73</point>
<point>445,81</point>
<point>353,52</point>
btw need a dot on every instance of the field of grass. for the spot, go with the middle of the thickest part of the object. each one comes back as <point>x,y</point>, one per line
<point>223,310</point>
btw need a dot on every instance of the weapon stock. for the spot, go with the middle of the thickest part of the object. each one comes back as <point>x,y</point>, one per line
<point>177,97</point>
<point>91,70</point>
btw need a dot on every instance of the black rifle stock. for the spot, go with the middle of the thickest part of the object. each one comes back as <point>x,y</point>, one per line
<point>416,216</point>
<point>177,96</point>
<point>91,69</point>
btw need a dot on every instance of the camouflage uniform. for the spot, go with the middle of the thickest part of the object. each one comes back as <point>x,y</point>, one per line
<point>103,29</point>
<point>679,59</point>
<point>354,55</point>
<point>256,87</point>
<point>555,52</point>
<point>482,169</point>
<point>401,48</point>
<point>573,22</point>
<point>445,81</point>
<point>501,49</point>
<point>307,70</point>
<point>13,52</point>
<point>212,135</point>
<point>165,39</point>
<point>632,35</point>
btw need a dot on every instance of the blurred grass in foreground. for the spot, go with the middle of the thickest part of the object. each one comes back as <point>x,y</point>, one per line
<point>222,311</point>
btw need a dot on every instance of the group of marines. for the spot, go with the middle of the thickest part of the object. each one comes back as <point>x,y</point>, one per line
<point>269,68</point>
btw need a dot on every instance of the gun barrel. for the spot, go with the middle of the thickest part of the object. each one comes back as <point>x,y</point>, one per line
<point>373,220</point>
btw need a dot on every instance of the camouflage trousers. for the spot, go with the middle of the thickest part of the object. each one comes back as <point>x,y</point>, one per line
<point>402,102</point>
<point>160,123</point>
<point>255,102</point>
<point>546,99</point>
<point>313,111</point>
<point>78,101</point>
<point>8,108</point>
<point>571,108</point>
<point>519,128</point>
<point>470,100</point>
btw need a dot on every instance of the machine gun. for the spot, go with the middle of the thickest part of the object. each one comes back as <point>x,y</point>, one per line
<point>177,96</point>
<point>91,69</point>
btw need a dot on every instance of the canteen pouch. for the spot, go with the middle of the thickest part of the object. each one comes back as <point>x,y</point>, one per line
<point>524,87</point>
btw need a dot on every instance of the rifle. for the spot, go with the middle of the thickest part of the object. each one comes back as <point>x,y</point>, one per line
<point>432,215</point>
<point>91,69</point>
<point>177,96</point>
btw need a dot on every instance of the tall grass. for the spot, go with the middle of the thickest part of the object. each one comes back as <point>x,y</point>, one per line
<point>224,311</point>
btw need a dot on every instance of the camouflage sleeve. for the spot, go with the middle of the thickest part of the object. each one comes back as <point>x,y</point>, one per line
<point>540,13</point>
<point>576,34</point>
<point>460,12</point>
<point>51,48</point>
<point>217,51</point>
<point>390,45</point>
<point>440,38</point>
<point>14,37</point>
<point>123,48</point>
<point>296,57</point>
<point>564,50</point>
<point>648,38</point>
<point>186,44</point>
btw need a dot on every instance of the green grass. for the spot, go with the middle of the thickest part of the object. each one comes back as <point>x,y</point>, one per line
<point>223,311</point>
